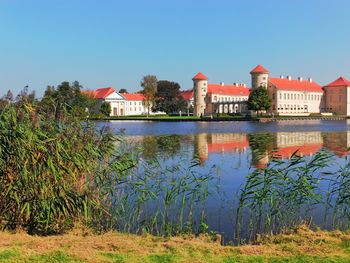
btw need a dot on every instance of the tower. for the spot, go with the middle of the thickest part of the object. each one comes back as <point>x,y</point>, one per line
<point>200,88</point>
<point>260,77</point>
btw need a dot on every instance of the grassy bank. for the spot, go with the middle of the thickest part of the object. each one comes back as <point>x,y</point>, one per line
<point>299,245</point>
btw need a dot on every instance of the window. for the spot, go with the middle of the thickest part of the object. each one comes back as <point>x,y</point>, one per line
<point>339,98</point>
<point>298,96</point>
<point>204,84</point>
<point>284,95</point>
<point>280,95</point>
<point>273,96</point>
<point>288,96</point>
<point>215,98</point>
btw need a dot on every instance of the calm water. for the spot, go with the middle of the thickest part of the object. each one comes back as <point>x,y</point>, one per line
<point>229,151</point>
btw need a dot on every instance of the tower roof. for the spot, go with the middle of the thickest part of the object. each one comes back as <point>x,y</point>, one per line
<point>259,69</point>
<point>200,76</point>
<point>341,81</point>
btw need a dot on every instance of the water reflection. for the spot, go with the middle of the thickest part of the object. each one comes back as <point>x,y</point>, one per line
<point>272,199</point>
<point>268,146</point>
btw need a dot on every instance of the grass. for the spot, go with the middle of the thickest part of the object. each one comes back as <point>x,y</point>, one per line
<point>298,245</point>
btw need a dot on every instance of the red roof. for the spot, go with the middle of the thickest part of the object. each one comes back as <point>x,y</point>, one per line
<point>259,69</point>
<point>103,93</point>
<point>286,84</point>
<point>200,76</point>
<point>228,89</point>
<point>133,96</point>
<point>341,81</point>
<point>187,94</point>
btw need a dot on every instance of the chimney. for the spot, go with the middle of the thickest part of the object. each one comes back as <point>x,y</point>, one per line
<point>236,84</point>
<point>300,79</point>
<point>244,85</point>
<point>289,77</point>
<point>281,77</point>
<point>310,80</point>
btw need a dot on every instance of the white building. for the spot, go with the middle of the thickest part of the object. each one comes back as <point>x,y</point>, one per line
<point>122,104</point>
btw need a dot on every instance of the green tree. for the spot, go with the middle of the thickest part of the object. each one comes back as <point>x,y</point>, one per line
<point>66,97</point>
<point>259,100</point>
<point>149,84</point>
<point>168,97</point>
<point>106,109</point>
<point>123,91</point>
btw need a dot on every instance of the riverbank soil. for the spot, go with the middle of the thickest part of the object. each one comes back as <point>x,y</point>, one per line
<point>298,245</point>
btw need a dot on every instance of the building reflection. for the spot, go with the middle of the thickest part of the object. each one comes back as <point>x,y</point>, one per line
<point>338,143</point>
<point>206,144</point>
<point>265,147</point>
<point>299,143</point>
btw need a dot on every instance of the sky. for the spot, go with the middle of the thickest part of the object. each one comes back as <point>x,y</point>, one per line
<point>103,43</point>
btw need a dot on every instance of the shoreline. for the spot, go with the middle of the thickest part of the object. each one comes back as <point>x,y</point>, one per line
<point>220,119</point>
<point>80,245</point>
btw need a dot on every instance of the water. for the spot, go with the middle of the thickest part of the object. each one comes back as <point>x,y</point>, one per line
<point>228,152</point>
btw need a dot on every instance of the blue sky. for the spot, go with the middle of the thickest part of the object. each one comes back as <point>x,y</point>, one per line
<point>115,43</point>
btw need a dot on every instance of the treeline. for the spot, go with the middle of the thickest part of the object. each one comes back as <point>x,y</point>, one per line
<point>161,96</point>
<point>66,97</point>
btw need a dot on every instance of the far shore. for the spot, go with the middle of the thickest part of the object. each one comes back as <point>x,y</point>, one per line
<point>166,118</point>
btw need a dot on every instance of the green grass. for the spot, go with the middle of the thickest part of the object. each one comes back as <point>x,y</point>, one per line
<point>57,256</point>
<point>9,254</point>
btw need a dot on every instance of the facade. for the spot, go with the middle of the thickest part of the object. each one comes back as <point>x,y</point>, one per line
<point>337,96</point>
<point>289,97</point>
<point>212,99</point>
<point>122,104</point>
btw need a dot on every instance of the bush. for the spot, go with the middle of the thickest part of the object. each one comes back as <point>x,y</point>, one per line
<point>53,172</point>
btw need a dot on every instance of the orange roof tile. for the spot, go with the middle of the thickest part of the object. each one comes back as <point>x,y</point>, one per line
<point>341,81</point>
<point>89,93</point>
<point>103,93</point>
<point>259,69</point>
<point>187,94</point>
<point>133,96</point>
<point>200,76</point>
<point>295,85</point>
<point>228,90</point>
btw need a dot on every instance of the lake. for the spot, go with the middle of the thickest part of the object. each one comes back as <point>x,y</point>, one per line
<point>239,199</point>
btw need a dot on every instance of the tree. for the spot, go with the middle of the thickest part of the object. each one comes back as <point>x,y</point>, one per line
<point>106,109</point>
<point>259,100</point>
<point>149,84</point>
<point>168,97</point>
<point>123,91</point>
<point>66,97</point>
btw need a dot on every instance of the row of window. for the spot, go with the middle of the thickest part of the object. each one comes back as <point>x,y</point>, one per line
<point>134,103</point>
<point>216,98</point>
<point>135,109</point>
<point>293,96</point>
<point>331,98</point>
<point>290,107</point>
